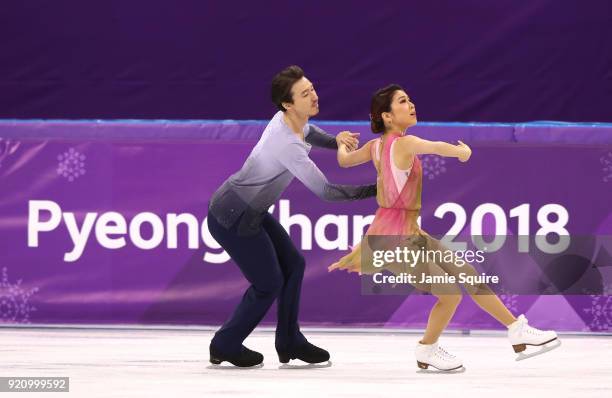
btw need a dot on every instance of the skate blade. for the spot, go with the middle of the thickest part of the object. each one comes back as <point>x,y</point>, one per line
<point>545,348</point>
<point>424,368</point>
<point>229,366</point>
<point>434,370</point>
<point>323,365</point>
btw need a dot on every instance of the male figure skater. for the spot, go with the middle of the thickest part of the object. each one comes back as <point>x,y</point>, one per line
<point>238,219</point>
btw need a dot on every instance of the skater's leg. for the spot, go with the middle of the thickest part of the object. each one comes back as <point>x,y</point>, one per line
<point>448,299</point>
<point>482,294</point>
<point>290,342</point>
<point>256,258</point>
<point>292,265</point>
<point>428,351</point>
<point>439,317</point>
<point>494,306</point>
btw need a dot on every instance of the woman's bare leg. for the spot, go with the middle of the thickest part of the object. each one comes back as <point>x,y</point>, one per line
<point>494,306</point>
<point>440,316</point>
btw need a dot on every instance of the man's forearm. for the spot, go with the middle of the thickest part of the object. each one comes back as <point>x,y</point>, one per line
<point>337,192</point>
<point>319,138</point>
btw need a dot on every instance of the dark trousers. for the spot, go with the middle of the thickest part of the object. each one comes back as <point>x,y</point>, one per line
<point>275,268</point>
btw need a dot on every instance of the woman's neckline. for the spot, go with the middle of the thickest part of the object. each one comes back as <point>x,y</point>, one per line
<point>395,133</point>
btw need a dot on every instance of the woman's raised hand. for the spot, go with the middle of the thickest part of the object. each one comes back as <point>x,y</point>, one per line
<point>464,152</point>
<point>351,140</point>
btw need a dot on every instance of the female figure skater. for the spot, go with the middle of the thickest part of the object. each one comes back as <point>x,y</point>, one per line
<point>395,156</point>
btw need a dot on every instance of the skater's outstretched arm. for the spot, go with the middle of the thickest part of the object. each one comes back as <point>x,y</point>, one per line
<point>412,145</point>
<point>319,138</point>
<point>347,158</point>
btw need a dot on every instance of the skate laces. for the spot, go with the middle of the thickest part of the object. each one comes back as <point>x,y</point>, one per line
<point>524,325</point>
<point>533,331</point>
<point>444,353</point>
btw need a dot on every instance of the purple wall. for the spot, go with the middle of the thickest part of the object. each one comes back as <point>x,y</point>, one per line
<point>461,61</point>
<point>164,168</point>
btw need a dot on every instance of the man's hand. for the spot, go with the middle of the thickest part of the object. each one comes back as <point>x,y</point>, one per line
<point>351,140</point>
<point>465,152</point>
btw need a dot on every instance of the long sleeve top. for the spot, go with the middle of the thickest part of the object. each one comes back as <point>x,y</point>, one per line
<point>279,157</point>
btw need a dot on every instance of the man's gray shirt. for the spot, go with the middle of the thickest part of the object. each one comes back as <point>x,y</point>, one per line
<point>279,156</point>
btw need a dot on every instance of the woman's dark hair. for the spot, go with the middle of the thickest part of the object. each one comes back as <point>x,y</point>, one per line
<point>381,102</point>
<point>282,83</point>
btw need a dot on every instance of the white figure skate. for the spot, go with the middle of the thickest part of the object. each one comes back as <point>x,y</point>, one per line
<point>437,357</point>
<point>521,335</point>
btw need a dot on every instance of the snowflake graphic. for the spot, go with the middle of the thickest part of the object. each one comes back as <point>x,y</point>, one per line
<point>601,311</point>
<point>509,300</point>
<point>606,162</point>
<point>14,301</point>
<point>71,164</point>
<point>433,165</point>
